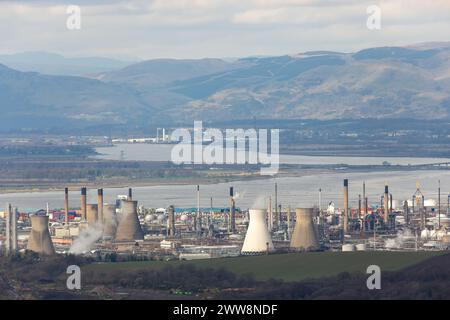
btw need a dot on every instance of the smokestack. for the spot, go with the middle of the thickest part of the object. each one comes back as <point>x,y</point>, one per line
<point>304,237</point>
<point>364,198</point>
<point>270,218</point>
<point>171,216</point>
<point>100,205</point>
<point>276,207</point>
<point>40,240</point>
<point>366,211</point>
<point>359,206</point>
<point>406,211</point>
<point>345,206</point>
<point>232,211</point>
<point>257,239</point>
<point>289,222</point>
<point>439,205</point>
<point>386,204</point>
<point>83,204</point>
<point>11,230</point>
<point>320,201</point>
<point>92,214</point>
<point>130,194</point>
<point>66,206</point>
<point>129,228</point>
<point>198,224</point>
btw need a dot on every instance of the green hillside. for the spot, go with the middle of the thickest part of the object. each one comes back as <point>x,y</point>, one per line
<point>290,267</point>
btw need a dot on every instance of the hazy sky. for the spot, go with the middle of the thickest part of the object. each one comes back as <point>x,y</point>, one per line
<point>217,28</point>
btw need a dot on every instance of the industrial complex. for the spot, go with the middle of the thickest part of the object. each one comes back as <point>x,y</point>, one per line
<point>125,230</point>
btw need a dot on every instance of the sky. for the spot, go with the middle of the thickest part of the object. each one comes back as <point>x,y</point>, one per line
<point>148,29</point>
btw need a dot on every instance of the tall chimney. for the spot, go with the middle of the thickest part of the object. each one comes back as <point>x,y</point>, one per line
<point>289,222</point>
<point>270,218</point>
<point>276,207</point>
<point>100,206</point>
<point>83,203</point>
<point>386,204</point>
<point>232,211</point>
<point>130,194</point>
<point>359,206</point>
<point>345,206</point>
<point>406,211</point>
<point>198,226</point>
<point>171,214</point>
<point>11,230</point>
<point>364,198</point>
<point>66,206</point>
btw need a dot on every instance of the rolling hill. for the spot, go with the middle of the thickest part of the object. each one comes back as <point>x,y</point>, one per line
<point>383,83</point>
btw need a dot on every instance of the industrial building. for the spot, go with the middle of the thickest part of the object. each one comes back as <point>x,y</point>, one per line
<point>124,227</point>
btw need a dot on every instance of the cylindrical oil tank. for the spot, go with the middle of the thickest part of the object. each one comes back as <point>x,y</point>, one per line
<point>348,247</point>
<point>361,247</point>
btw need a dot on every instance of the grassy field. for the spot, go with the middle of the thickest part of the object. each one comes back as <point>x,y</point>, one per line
<point>290,267</point>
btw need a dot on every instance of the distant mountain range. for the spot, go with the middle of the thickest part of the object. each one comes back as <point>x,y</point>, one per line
<point>388,82</point>
<point>55,64</point>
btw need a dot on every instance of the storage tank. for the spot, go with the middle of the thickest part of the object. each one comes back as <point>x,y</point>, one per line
<point>348,247</point>
<point>257,239</point>
<point>40,240</point>
<point>304,237</point>
<point>361,247</point>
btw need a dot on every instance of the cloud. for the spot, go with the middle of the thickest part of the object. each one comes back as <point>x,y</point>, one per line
<point>217,28</point>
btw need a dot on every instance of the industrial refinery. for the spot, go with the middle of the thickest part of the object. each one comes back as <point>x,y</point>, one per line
<point>125,229</point>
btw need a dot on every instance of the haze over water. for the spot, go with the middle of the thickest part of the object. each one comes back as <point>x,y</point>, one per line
<point>293,191</point>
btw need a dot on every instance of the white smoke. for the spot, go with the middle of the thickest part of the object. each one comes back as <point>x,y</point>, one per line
<point>86,239</point>
<point>239,195</point>
<point>259,203</point>
<point>399,240</point>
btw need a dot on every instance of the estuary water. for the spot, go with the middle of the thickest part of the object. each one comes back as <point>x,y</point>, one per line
<point>162,152</point>
<point>294,191</point>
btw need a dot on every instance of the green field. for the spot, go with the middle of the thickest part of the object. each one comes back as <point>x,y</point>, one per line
<point>290,267</point>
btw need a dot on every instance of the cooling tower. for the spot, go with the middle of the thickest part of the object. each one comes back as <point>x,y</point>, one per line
<point>257,240</point>
<point>304,237</point>
<point>92,214</point>
<point>129,228</point>
<point>40,240</point>
<point>109,221</point>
